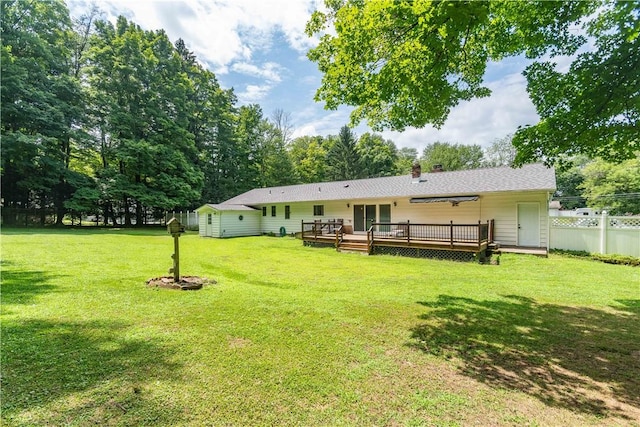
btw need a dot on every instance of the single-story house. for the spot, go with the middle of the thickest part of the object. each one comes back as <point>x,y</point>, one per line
<point>515,200</point>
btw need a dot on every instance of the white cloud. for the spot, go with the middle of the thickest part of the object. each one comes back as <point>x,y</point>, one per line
<point>253,93</point>
<point>269,71</point>
<point>219,31</point>
<point>479,121</point>
<point>313,122</point>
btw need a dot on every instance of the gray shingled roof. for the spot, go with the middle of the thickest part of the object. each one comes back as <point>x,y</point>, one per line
<point>228,207</point>
<point>534,177</point>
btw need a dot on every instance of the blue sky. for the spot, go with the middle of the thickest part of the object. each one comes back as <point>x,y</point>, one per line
<point>258,47</point>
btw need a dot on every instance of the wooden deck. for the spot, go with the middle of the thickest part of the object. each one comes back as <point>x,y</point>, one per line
<point>475,239</point>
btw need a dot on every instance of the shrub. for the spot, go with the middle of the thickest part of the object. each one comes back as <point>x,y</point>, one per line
<point>608,258</point>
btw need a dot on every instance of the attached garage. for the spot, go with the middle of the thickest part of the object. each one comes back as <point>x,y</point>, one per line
<point>227,220</point>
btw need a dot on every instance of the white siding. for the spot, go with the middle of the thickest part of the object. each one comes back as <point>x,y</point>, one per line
<point>301,211</point>
<point>501,207</point>
<point>230,224</point>
<point>215,223</point>
<point>204,228</point>
<point>202,223</point>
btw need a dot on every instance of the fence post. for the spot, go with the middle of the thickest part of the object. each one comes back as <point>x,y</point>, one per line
<point>603,232</point>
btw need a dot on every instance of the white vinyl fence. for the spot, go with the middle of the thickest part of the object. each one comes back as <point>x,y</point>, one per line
<point>187,218</point>
<point>602,234</point>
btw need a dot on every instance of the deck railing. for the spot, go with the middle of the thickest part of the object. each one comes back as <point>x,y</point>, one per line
<point>322,228</point>
<point>446,233</point>
<point>405,233</point>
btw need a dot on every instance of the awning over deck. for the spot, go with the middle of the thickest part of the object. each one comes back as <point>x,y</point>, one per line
<point>454,199</point>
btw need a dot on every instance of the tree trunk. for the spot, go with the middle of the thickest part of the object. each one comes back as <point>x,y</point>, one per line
<point>127,213</point>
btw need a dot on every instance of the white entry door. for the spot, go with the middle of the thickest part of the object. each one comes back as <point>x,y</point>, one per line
<point>529,224</point>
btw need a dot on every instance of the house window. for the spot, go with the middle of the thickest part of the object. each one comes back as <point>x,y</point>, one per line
<point>273,211</point>
<point>287,212</point>
<point>264,211</point>
<point>318,210</point>
<point>209,216</point>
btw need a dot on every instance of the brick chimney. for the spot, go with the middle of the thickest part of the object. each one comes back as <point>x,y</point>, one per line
<point>416,171</point>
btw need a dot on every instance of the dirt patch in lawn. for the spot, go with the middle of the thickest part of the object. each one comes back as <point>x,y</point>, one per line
<point>186,283</point>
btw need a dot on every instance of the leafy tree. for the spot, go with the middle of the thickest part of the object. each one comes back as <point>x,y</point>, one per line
<point>569,179</point>
<point>308,155</point>
<point>213,121</point>
<point>613,186</point>
<point>41,106</point>
<point>594,107</point>
<point>342,158</point>
<point>407,156</point>
<point>278,167</point>
<point>501,152</point>
<point>140,103</point>
<point>377,155</point>
<point>452,156</point>
<point>407,63</point>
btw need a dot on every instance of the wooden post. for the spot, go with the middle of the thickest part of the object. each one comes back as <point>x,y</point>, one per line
<point>175,229</point>
<point>408,233</point>
<point>451,233</point>
<point>176,258</point>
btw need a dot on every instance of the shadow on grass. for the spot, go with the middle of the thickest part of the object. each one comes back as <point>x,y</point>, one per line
<point>87,372</point>
<point>22,286</point>
<point>578,358</point>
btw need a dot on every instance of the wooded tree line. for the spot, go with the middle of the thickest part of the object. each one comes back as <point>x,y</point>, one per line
<point>118,121</point>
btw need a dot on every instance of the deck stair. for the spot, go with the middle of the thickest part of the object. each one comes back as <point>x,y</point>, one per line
<point>353,246</point>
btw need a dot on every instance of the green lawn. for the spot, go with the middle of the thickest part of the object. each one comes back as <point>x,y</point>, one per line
<point>292,335</point>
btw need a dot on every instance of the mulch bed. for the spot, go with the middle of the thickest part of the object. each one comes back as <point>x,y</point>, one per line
<point>186,283</point>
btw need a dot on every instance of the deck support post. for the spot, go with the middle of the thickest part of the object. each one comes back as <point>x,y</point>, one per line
<point>451,234</point>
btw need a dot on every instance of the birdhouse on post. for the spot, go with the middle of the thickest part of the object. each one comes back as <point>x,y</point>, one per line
<point>175,228</point>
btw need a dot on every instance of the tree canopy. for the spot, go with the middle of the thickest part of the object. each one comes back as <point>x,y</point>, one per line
<point>407,63</point>
<point>452,156</point>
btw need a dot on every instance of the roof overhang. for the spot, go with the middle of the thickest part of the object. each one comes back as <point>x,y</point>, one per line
<point>221,207</point>
<point>453,199</point>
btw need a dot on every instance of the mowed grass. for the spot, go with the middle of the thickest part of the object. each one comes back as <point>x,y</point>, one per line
<point>292,335</point>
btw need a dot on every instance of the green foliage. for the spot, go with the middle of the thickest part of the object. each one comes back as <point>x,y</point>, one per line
<point>407,63</point>
<point>143,98</point>
<point>501,152</point>
<point>343,159</point>
<point>594,107</point>
<point>377,155</point>
<point>452,156</point>
<point>569,179</point>
<point>606,258</point>
<point>41,104</point>
<point>308,154</point>
<point>407,156</point>
<point>614,187</point>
